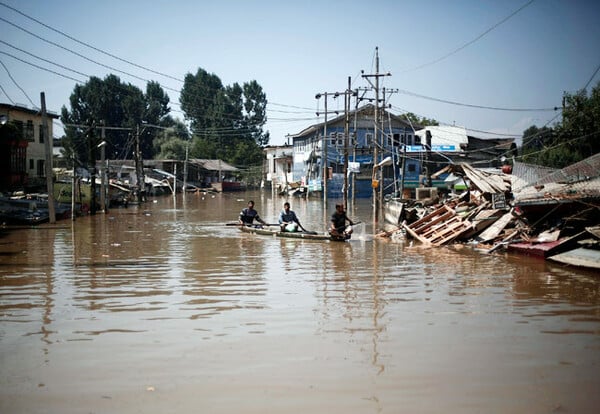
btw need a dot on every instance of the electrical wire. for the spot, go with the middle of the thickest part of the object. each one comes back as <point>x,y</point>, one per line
<point>447,55</point>
<point>495,108</point>
<point>592,77</point>
<point>15,82</point>
<point>88,45</point>
<point>42,59</point>
<point>80,55</point>
<point>6,94</point>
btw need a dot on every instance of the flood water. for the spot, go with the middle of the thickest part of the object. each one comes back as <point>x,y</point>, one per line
<point>164,309</point>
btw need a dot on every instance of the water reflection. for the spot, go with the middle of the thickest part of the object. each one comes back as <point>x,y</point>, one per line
<point>170,275</point>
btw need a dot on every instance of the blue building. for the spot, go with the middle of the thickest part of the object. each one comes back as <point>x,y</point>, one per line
<point>309,151</point>
<point>415,151</point>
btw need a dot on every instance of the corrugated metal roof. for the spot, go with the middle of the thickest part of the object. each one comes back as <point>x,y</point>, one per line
<point>524,175</point>
<point>577,181</point>
<point>585,169</point>
<point>213,165</point>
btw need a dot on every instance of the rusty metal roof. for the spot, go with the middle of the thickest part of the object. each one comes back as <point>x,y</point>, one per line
<point>577,181</point>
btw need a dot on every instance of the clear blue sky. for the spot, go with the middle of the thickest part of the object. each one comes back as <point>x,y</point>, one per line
<point>297,49</point>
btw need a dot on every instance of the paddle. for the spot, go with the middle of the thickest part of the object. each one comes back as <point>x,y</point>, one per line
<point>249,224</point>
<point>306,231</point>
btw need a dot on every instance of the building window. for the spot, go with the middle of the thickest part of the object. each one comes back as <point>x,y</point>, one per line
<point>29,131</point>
<point>41,133</point>
<point>368,139</point>
<point>40,168</point>
<point>340,140</point>
<point>417,139</point>
<point>352,139</point>
<point>19,126</point>
<point>389,139</point>
<point>412,168</point>
<point>31,164</point>
<point>396,140</point>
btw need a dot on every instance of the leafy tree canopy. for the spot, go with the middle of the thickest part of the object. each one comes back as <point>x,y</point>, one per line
<point>172,142</point>
<point>573,139</point>
<point>417,120</point>
<point>112,103</point>
<point>226,121</point>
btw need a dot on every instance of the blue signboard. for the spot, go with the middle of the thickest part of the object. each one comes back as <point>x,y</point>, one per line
<point>438,148</point>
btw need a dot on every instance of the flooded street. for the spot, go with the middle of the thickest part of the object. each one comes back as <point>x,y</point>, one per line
<point>165,309</point>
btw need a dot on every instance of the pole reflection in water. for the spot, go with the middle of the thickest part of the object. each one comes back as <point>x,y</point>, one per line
<point>163,306</point>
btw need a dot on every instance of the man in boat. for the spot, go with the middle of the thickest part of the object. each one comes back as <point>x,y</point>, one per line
<point>249,214</point>
<point>288,221</point>
<point>338,223</point>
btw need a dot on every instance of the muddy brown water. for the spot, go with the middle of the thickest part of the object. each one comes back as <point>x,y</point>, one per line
<point>164,309</point>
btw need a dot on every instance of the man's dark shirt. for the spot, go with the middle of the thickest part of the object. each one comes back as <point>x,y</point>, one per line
<point>248,215</point>
<point>339,220</point>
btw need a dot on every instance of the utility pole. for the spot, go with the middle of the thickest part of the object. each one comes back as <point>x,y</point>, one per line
<point>389,92</point>
<point>92,166</point>
<point>102,146</point>
<point>377,198</point>
<point>138,166</point>
<point>347,95</point>
<point>185,167</point>
<point>48,147</point>
<point>346,141</point>
<point>325,161</point>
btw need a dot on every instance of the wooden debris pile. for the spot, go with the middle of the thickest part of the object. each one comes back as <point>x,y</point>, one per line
<point>488,216</point>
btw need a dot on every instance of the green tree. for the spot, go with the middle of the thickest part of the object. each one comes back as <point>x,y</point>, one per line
<point>534,140</point>
<point>421,121</point>
<point>575,138</point>
<point>112,103</point>
<point>255,106</point>
<point>171,143</point>
<point>225,119</point>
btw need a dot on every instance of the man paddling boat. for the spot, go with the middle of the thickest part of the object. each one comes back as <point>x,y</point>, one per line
<point>338,228</point>
<point>288,221</point>
<point>249,214</point>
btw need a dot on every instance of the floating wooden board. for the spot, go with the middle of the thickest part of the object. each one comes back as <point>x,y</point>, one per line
<point>438,228</point>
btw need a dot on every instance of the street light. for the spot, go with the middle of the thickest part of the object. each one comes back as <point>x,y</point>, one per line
<point>384,163</point>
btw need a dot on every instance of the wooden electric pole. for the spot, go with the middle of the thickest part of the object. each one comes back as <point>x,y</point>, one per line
<point>377,195</point>
<point>48,164</point>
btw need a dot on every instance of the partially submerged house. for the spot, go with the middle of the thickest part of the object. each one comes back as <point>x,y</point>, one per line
<point>324,145</point>
<point>22,146</point>
<point>277,168</point>
<point>204,173</point>
<point>416,153</point>
<point>540,189</point>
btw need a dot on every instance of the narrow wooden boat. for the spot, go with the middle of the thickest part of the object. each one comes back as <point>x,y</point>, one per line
<point>275,232</point>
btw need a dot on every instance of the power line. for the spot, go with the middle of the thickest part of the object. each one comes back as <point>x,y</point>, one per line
<point>82,56</point>
<point>42,68</point>
<point>7,97</point>
<point>495,108</point>
<point>90,46</point>
<point>44,60</point>
<point>472,41</point>
<point>18,86</point>
<point>590,81</point>
<point>74,79</point>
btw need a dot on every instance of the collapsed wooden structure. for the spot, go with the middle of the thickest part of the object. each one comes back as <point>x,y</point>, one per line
<point>539,212</point>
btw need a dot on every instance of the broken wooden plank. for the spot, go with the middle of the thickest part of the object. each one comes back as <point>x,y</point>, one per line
<point>415,235</point>
<point>495,229</point>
